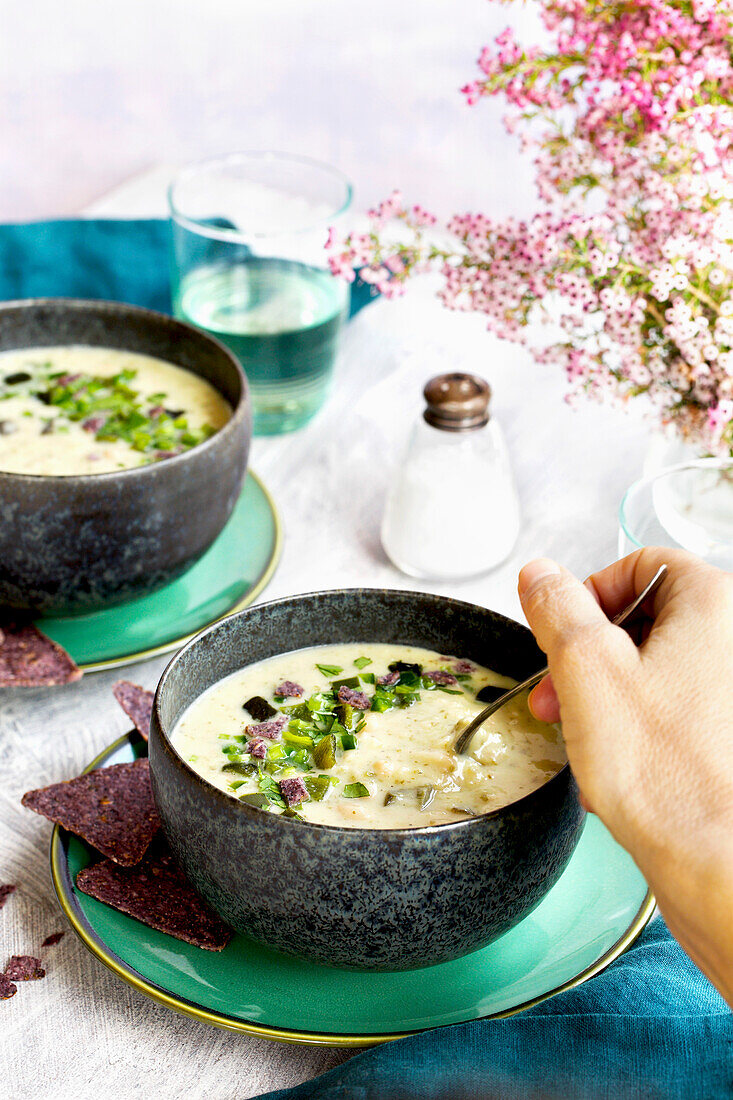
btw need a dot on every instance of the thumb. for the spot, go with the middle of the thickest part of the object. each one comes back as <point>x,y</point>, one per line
<point>565,618</point>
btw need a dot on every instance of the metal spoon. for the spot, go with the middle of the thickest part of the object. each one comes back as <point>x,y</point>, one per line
<point>465,738</point>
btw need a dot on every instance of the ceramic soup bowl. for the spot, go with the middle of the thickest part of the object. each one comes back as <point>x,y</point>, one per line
<point>375,899</point>
<point>73,544</point>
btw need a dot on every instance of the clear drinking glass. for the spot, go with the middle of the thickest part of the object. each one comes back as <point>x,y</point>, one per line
<point>689,506</point>
<point>249,267</point>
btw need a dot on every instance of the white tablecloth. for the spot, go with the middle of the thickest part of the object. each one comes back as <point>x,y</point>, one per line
<point>83,1033</point>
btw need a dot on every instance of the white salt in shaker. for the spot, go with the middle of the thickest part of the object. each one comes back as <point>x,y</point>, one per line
<point>452,509</point>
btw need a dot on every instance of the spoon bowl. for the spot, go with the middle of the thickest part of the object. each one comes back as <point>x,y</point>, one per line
<point>467,734</point>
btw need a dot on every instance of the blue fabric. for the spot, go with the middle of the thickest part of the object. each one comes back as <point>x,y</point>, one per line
<point>649,1027</point>
<point>115,259</point>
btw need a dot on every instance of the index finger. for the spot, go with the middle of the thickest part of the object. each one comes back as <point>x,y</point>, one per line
<point>617,585</point>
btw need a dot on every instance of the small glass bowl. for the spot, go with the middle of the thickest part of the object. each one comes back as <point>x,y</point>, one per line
<point>688,506</point>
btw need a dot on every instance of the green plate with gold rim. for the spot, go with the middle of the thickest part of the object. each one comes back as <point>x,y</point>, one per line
<point>229,576</point>
<point>594,912</point>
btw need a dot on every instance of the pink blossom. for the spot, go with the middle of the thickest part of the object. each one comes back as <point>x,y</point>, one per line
<point>629,113</point>
<point>342,265</point>
<point>719,417</point>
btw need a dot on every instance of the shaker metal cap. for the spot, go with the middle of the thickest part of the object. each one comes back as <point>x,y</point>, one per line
<point>457,402</point>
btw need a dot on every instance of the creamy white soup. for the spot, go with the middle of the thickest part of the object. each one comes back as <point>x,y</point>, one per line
<point>363,735</point>
<point>87,410</point>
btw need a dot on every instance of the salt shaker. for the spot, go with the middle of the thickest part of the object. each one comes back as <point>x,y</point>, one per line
<point>452,510</point>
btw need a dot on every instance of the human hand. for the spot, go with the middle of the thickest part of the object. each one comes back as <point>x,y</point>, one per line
<point>649,730</point>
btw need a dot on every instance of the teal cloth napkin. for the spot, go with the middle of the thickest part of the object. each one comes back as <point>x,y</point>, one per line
<point>650,1027</point>
<point>124,260</point>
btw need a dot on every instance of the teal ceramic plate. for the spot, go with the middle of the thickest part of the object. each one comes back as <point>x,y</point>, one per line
<point>596,910</point>
<point>230,575</point>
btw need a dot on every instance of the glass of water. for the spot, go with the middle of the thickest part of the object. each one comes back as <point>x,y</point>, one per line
<point>689,506</point>
<point>249,267</point>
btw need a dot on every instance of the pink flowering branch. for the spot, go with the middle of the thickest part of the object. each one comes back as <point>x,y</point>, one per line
<point>634,104</point>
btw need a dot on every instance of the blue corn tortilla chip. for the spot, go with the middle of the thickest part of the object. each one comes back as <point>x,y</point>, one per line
<point>30,659</point>
<point>110,808</point>
<point>157,893</point>
<point>137,704</point>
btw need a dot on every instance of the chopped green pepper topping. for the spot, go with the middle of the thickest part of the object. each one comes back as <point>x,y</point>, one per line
<point>258,801</point>
<point>317,786</point>
<point>349,682</point>
<point>298,740</point>
<point>301,710</point>
<point>362,662</point>
<point>244,768</point>
<point>405,666</point>
<point>409,699</point>
<point>355,790</point>
<point>259,708</point>
<point>324,753</point>
<point>347,715</point>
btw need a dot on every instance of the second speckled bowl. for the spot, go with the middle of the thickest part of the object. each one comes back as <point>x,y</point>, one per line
<point>73,544</point>
<point>377,899</point>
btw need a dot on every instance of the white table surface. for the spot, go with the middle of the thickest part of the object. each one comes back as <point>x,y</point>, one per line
<point>82,1032</point>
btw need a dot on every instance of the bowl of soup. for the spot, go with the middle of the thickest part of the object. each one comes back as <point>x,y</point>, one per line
<point>303,765</point>
<point>124,437</point>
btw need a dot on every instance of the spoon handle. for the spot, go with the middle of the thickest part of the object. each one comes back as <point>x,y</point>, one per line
<point>465,738</point>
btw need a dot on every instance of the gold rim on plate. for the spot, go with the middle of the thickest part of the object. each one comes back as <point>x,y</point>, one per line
<point>250,596</point>
<point>281,1034</point>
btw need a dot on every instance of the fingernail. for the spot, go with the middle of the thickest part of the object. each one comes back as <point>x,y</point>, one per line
<point>535,571</point>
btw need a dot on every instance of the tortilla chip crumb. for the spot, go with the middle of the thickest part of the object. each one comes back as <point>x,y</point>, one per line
<point>5,892</point>
<point>53,939</point>
<point>7,988</point>
<point>24,968</point>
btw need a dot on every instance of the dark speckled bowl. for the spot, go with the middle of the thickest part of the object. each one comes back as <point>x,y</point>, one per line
<point>72,544</point>
<point>390,899</point>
